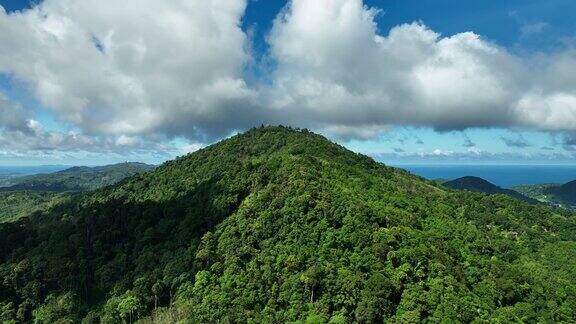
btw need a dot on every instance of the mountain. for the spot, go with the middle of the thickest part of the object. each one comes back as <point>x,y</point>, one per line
<point>77,178</point>
<point>480,185</point>
<point>281,225</point>
<point>26,194</point>
<point>563,195</point>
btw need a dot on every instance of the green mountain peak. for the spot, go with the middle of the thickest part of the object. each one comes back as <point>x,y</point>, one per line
<point>281,225</point>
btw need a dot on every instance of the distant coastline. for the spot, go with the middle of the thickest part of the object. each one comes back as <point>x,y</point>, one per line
<point>505,176</point>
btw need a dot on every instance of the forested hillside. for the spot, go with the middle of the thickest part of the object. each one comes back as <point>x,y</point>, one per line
<point>480,185</point>
<point>20,196</point>
<point>77,178</point>
<point>563,195</point>
<point>17,204</point>
<point>280,225</point>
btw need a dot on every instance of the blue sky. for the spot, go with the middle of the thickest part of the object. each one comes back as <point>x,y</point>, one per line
<point>524,32</point>
<point>500,21</point>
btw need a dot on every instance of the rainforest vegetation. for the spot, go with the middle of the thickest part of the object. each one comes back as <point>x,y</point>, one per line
<point>21,196</point>
<point>563,195</point>
<point>281,225</point>
<point>17,204</point>
<point>79,178</point>
<point>480,185</point>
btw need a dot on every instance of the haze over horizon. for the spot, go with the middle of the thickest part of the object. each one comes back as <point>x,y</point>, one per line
<point>406,82</point>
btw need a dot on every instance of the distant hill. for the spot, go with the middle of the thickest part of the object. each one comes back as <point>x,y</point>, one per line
<point>78,178</point>
<point>278,225</point>
<point>563,195</point>
<point>476,184</point>
<point>28,194</point>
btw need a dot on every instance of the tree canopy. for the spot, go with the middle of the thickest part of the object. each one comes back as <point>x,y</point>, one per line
<point>281,225</point>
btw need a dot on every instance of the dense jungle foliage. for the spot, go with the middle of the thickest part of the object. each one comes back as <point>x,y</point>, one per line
<point>480,185</point>
<point>77,178</point>
<point>565,193</point>
<point>280,225</point>
<point>20,196</point>
<point>17,204</point>
<point>562,195</point>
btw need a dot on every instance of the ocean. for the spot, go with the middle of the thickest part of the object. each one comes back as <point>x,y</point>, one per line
<point>505,176</point>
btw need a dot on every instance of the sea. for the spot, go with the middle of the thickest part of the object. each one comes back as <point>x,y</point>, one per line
<point>505,176</point>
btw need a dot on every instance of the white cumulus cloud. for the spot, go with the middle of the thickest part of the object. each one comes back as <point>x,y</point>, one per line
<point>133,72</point>
<point>335,69</point>
<point>13,116</point>
<point>133,66</point>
